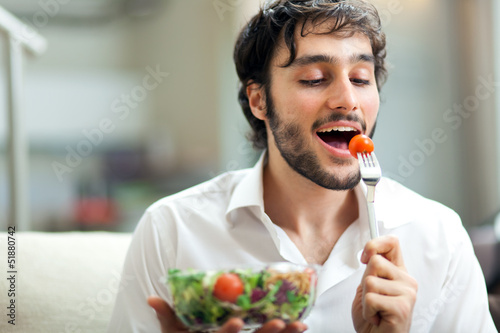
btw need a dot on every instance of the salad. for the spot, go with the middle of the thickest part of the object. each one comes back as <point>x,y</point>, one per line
<point>204,300</point>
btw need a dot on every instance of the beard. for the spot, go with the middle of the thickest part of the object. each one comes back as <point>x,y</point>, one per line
<point>292,146</point>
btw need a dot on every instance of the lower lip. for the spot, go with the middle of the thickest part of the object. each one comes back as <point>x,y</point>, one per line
<point>342,153</point>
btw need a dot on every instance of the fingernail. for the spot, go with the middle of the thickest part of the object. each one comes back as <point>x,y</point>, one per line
<point>363,257</point>
<point>300,329</point>
<point>278,328</point>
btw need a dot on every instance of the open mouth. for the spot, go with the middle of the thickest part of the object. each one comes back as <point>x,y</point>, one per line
<point>338,136</point>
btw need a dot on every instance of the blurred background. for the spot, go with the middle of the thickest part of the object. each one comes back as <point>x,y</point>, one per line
<point>136,99</point>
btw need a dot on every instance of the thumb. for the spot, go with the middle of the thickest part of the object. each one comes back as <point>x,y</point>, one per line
<point>165,314</point>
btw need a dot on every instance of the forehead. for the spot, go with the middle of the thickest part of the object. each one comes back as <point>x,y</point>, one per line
<point>312,40</point>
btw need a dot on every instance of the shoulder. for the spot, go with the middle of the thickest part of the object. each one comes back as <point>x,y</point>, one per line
<point>218,189</point>
<point>431,235</point>
<point>400,205</point>
<point>188,212</point>
<point>439,255</point>
<point>202,204</point>
<point>419,220</point>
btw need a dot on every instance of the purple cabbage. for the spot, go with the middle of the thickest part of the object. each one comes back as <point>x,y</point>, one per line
<point>257,295</point>
<point>281,295</point>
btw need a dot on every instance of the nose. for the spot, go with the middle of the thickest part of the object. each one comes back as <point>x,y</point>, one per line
<point>343,96</point>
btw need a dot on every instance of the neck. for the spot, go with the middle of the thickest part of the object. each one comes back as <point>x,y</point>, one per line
<point>307,212</point>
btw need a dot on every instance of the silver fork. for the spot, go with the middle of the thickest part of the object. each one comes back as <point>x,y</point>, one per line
<point>370,173</point>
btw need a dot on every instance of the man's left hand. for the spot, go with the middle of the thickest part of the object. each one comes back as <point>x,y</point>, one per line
<point>386,296</point>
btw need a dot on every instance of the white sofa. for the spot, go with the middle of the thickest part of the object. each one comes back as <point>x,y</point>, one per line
<point>65,282</point>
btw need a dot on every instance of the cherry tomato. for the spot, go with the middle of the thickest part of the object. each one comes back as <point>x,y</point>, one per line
<point>228,287</point>
<point>360,144</point>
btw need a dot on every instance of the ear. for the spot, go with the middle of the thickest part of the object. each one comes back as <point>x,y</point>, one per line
<point>257,100</point>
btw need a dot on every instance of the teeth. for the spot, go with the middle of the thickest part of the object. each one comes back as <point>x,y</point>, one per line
<point>338,128</point>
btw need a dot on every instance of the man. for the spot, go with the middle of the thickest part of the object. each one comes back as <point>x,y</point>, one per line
<point>311,73</point>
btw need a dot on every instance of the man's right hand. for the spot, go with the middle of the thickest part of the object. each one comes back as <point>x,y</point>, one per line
<point>170,324</point>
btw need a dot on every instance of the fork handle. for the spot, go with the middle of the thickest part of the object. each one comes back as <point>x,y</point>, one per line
<point>372,220</point>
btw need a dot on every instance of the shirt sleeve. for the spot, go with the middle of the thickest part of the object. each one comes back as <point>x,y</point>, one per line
<point>462,305</point>
<point>145,266</point>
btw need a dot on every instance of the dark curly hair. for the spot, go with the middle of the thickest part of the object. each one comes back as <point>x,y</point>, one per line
<point>278,20</point>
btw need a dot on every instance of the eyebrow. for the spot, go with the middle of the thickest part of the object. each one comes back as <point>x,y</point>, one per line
<point>324,58</point>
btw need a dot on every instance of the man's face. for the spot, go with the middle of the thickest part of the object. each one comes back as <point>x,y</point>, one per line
<point>318,103</point>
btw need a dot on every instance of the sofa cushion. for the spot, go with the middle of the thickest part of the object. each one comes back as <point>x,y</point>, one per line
<point>65,282</point>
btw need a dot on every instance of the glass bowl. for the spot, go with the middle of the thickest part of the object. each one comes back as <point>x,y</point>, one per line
<point>205,300</point>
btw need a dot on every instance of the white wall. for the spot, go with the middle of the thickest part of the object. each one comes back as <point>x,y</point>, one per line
<point>422,140</point>
<point>69,90</point>
<point>89,65</point>
<point>182,40</point>
<point>420,88</point>
<point>478,88</point>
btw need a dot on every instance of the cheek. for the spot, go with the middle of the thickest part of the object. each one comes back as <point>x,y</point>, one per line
<point>297,106</point>
<point>371,106</point>
<point>304,104</point>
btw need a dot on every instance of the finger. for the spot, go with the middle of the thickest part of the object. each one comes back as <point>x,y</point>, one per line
<point>165,314</point>
<point>296,327</point>
<point>386,246</point>
<point>273,326</point>
<point>379,266</point>
<point>357,304</point>
<point>380,308</point>
<point>279,326</point>
<point>371,307</point>
<point>233,325</point>
<point>382,274</point>
<point>373,284</point>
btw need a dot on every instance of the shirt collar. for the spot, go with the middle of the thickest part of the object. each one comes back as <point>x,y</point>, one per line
<point>250,191</point>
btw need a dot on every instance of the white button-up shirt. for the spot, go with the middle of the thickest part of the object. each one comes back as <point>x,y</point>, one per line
<point>222,223</point>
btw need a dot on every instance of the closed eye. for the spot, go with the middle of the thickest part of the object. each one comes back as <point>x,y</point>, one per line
<point>311,83</point>
<point>361,82</point>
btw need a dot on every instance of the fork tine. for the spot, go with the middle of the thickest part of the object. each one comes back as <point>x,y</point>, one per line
<point>369,159</point>
<point>374,160</point>
<point>366,158</point>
